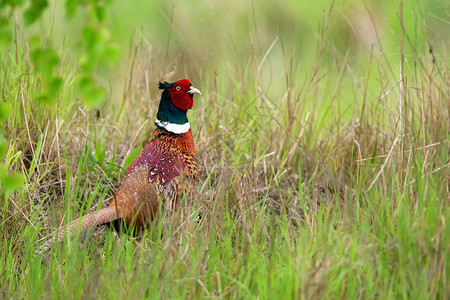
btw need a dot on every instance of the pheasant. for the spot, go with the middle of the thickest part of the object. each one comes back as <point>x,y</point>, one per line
<point>164,170</point>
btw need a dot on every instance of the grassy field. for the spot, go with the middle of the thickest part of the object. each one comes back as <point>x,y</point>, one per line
<point>321,136</point>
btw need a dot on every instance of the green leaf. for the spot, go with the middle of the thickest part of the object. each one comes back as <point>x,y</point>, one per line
<point>12,3</point>
<point>13,182</point>
<point>45,60</point>
<point>91,37</point>
<point>3,147</point>
<point>90,159</point>
<point>44,97</point>
<point>34,41</point>
<point>91,95</point>
<point>100,13</point>
<point>85,84</point>
<point>5,111</point>
<point>54,86</point>
<point>131,157</point>
<point>71,7</point>
<point>12,160</point>
<point>89,156</point>
<point>3,173</point>
<point>94,97</point>
<point>111,168</point>
<point>100,153</point>
<point>5,33</point>
<point>34,11</point>
<point>111,54</point>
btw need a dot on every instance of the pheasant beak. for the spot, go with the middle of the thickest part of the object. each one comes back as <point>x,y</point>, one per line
<point>193,90</point>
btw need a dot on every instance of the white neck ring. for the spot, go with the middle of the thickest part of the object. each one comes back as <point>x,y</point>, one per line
<point>172,127</point>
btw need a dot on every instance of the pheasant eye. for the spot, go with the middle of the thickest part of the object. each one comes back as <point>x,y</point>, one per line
<point>178,88</point>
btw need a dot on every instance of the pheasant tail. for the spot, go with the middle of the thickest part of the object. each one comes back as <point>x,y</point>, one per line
<point>82,224</point>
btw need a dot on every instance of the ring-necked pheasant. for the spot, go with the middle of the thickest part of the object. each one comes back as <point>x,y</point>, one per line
<point>160,175</point>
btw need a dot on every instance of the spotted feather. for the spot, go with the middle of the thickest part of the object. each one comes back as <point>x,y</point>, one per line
<point>164,171</point>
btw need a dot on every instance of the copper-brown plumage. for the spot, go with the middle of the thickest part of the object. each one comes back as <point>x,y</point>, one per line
<point>164,171</point>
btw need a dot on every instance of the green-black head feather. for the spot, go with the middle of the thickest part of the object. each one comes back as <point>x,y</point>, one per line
<point>165,85</point>
<point>167,111</point>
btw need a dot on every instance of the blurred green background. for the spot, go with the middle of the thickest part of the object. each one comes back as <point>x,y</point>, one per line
<point>297,97</point>
<point>212,36</point>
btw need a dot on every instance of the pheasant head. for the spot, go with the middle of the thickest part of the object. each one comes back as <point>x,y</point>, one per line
<point>176,99</point>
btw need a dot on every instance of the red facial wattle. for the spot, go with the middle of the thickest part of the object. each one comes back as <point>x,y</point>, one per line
<point>180,96</point>
<point>182,100</point>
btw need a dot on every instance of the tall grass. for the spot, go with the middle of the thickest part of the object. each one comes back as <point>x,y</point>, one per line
<point>322,141</point>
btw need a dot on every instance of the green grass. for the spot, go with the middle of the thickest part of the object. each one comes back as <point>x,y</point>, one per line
<point>321,175</point>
